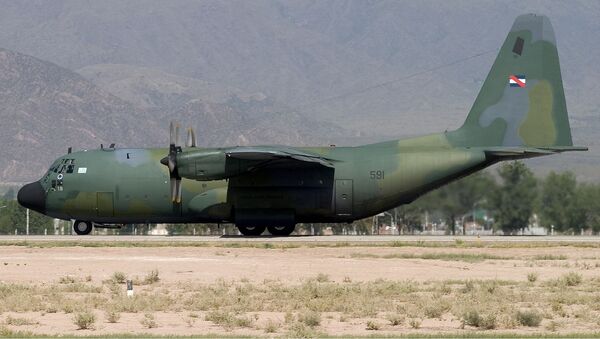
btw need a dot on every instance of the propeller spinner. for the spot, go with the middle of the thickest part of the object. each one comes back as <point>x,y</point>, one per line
<point>171,159</point>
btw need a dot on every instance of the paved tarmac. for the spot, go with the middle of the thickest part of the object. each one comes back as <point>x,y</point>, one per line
<point>299,239</point>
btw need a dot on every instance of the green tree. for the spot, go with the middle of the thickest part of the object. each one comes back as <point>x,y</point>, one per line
<point>13,216</point>
<point>514,200</point>
<point>588,200</point>
<point>560,205</point>
<point>459,197</point>
<point>409,217</point>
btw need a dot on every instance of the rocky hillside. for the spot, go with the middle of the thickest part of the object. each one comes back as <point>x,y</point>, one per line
<point>45,108</point>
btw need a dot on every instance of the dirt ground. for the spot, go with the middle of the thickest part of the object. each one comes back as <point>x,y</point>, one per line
<point>422,267</point>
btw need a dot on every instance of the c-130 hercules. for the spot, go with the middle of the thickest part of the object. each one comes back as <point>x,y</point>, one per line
<point>520,112</point>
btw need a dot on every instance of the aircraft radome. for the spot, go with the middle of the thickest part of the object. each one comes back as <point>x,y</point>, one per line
<point>520,112</point>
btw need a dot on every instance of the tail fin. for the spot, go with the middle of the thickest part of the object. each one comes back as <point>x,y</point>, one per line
<point>522,101</point>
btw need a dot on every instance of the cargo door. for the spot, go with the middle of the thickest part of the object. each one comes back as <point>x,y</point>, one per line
<point>105,205</point>
<point>343,197</point>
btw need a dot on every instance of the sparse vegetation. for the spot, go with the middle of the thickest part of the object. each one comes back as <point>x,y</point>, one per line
<point>228,319</point>
<point>148,321</point>
<point>415,323</point>
<point>572,279</point>
<point>17,321</point>
<point>112,316</point>
<point>473,318</point>
<point>310,318</point>
<point>84,320</point>
<point>152,277</point>
<point>532,277</point>
<point>67,279</point>
<point>372,326</point>
<point>271,326</point>
<point>395,319</point>
<point>118,277</point>
<point>529,318</point>
<point>317,302</point>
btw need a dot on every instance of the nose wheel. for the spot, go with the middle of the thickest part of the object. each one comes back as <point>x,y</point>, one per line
<point>82,227</point>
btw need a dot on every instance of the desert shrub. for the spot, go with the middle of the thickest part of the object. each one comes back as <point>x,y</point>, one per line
<point>372,326</point>
<point>67,279</point>
<point>473,318</point>
<point>322,277</point>
<point>469,286</point>
<point>572,279</point>
<point>532,276</point>
<point>19,321</point>
<point>118,277</point>
<point>415,323</point>
<point>148,321</point>
<point>300,330</point>
<point>152,277</point>
<point>395,319</point>
<point>84,320</point>
<point>271,326</point>
<point>310,318</point>
<point>529,318</point>
<point>228,319</point>
<point>112,316</point>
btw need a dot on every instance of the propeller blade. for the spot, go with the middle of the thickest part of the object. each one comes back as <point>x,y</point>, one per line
<point>173,189</point>
<point>172,162</point>
<point>171,133</point>
<point>176,134</point>
<point>178,184</point>
<point>191,138</point>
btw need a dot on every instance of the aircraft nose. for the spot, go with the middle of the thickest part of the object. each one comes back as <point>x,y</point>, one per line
<point>32,196</point>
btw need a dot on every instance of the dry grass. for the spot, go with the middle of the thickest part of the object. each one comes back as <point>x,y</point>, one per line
<point>310,306</point>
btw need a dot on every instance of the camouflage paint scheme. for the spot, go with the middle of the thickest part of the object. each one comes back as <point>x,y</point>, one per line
<point>276,184</point>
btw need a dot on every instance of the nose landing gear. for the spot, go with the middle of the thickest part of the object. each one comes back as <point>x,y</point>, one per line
<point>82,227</point>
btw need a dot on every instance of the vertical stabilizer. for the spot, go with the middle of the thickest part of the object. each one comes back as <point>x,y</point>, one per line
<point>522,101</point>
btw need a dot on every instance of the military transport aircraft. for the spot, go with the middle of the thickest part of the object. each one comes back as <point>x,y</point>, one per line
<point>520,112</point>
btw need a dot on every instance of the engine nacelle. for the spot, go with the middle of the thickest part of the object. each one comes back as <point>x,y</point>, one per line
<point>207,165</point>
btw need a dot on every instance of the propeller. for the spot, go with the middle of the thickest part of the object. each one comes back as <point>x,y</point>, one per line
<point>191,138</point>
<point>171,161</point>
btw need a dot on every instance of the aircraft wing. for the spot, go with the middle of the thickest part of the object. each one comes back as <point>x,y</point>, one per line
<point>276,154</point>
<point>231,162</point>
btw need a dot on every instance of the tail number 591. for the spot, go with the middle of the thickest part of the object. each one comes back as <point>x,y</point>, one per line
<point>377,175</point>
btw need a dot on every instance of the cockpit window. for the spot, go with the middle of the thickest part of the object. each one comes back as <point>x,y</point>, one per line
<point>65,166</point>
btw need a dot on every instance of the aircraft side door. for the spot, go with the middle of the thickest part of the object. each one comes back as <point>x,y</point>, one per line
<point>343,197</point>
<point>105,205</point>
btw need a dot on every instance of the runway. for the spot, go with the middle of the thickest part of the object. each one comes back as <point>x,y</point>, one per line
<point>368,239</point>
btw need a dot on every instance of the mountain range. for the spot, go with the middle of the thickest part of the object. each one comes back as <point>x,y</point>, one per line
<point>81,73</point>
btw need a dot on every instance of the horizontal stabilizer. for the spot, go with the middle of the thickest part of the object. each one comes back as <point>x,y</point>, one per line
<point>528,152</point>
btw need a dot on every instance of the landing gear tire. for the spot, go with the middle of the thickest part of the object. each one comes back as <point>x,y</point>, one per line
<point>82,227</point>
<point>251,230</point>
<point>281,230</point>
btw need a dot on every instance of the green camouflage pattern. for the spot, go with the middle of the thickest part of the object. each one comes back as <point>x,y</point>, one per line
<point>276,184</point>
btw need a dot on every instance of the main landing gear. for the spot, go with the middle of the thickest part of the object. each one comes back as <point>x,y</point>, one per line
<point>278,231</point>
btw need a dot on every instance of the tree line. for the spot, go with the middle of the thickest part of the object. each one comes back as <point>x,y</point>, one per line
<point>511,196</point>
